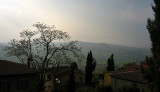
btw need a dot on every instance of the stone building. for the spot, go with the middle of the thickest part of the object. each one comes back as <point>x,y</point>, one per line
<point>16,77</point>
<point>58,78</point>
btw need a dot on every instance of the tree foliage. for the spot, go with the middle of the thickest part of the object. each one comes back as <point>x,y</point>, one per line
<point>152,72</point>
<point>90,67</point>
<point>95,78</point>
<point>110,63</point>
<point>43,48</point>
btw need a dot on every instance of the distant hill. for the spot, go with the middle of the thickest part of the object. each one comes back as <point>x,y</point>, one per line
<point>122,54</point>
<point>3,55</point>
<point>101,52</point>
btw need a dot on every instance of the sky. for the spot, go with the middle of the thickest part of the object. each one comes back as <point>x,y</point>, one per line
<point>121,22</point>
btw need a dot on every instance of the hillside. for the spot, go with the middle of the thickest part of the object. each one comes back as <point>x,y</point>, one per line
<point>3,55</point>
<point>122,54</point>
<point>101,52</point>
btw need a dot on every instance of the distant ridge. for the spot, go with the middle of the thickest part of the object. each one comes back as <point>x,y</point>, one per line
<point>101,52</point>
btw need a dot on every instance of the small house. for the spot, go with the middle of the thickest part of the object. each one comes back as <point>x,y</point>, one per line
<point>17,77</point>
<point>58,77</point>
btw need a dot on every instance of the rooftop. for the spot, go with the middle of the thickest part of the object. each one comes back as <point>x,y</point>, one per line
<point>130,76</point>
<point>13,68</point>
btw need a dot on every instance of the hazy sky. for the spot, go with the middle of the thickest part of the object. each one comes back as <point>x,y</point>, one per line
<point>120,22</point>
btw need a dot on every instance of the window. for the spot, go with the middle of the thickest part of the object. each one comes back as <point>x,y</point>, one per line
<point>58,80</point>
<point>4,86</point>
<point>49,76</point>
<point>22,84</point>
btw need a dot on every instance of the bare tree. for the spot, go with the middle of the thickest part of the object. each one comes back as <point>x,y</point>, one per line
<point>43,48</point>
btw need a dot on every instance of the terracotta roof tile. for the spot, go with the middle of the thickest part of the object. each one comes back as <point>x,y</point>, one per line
<point>12,68</point>
<point>130,76</point>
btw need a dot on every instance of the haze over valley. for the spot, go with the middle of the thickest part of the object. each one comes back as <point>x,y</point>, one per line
<point>101,52</point>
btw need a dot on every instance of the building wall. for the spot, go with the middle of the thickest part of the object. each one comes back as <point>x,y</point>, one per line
<point>13,83</point>
<point>107,79</point>
<point>79,78</point>
<point>51,84</point>
<point>119,83</point>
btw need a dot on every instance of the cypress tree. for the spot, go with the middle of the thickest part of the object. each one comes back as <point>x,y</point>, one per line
<point>110,63</point>
<point>90,67</point>
<point>152,72</point>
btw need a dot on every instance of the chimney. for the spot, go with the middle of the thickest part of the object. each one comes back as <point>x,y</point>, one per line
<point>28,62</point>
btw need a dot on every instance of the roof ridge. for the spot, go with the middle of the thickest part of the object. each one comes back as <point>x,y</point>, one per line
<point>131,75</point>
<point>11,62</point>
<point>10,68</point>
<point>126,72</point>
